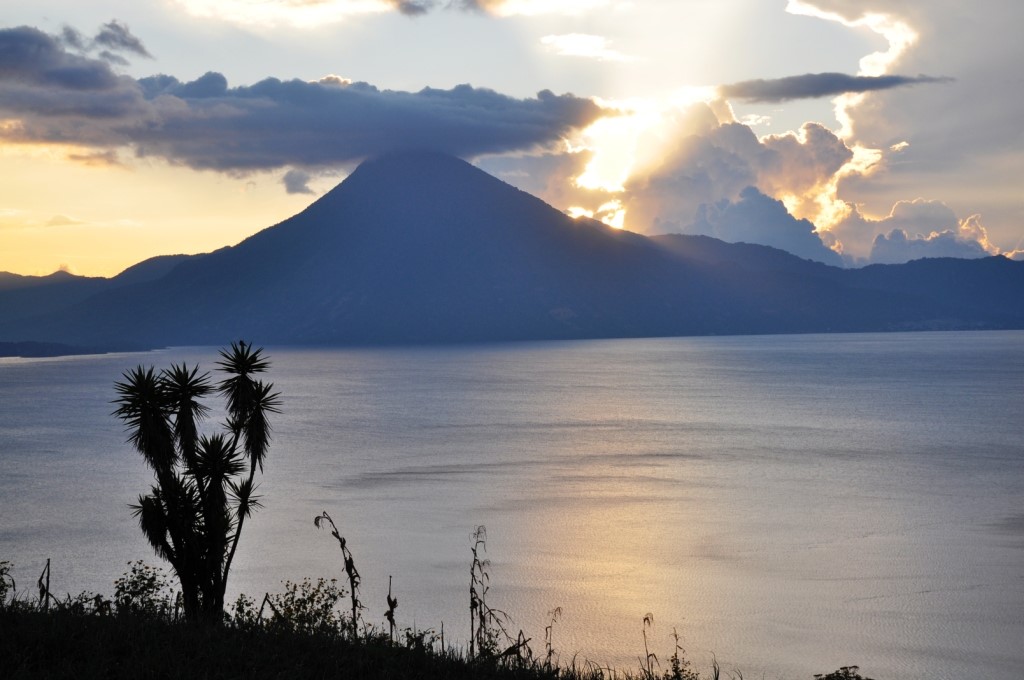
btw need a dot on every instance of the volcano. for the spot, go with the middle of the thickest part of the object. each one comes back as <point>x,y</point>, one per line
<point>420,247</point>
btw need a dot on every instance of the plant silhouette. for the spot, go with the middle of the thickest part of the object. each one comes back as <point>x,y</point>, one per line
<point>194,513</point>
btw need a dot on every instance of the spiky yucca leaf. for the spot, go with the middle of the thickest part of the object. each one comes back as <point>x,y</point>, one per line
<point>143,406</point>
<point>245,499</point>
<point>256,431</point>
<point>216,461</point>
<point>182,389</point>
<point>152,518</point>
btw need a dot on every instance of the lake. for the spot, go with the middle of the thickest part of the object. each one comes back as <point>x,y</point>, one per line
<point>789,504</point>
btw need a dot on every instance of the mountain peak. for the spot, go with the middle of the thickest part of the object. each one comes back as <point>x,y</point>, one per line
<point>419,171</point>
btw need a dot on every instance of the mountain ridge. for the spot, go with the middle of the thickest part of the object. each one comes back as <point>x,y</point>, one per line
<point>419,247</point>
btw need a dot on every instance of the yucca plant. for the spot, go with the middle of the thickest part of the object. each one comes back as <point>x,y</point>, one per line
<point>194,513</point>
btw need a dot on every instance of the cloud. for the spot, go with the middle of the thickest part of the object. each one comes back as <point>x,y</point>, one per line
<point>705,161</point>
<point>545,175</point>
<point>31,58</point>
<point>412,8</point>
<point>113,37</point>
<point>756,218</point>
<point>963,137</point>
<point>116,36</point>
<point>583,45</point>
<point>60,97</point>
<point>61,221</point>
<point>816,85</point>
<point>717,177</point>
<point>898,247</point>
<point>107,158</point>
<point>297,182</point>
<point>912,230</point>
<point>799,164</point>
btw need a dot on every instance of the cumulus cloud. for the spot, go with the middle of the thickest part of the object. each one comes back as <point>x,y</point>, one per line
<point>960,136</point>
<point>711,161</point>
<point>717,177</point>
<point>816,85</point>
<point>897,247</point>
<point>60,97</point>
<point>757,218</point>
<point>912,230</point>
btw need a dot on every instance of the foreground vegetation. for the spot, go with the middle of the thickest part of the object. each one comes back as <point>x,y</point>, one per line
<point>304,632</point>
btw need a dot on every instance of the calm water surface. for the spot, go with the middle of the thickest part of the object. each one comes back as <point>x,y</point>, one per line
<point>790,504</point>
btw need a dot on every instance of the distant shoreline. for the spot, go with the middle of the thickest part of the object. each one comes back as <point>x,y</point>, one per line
<point>40,350</point>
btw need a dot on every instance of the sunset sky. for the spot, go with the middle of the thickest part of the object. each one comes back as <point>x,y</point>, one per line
<point>847,131</point>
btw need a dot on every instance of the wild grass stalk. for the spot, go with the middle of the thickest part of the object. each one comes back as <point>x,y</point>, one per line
<point>390,613</point>
<point>487,625</point>
<point>549,634</point>
<point>354,580</point>
<point>647,663</point>
<point>44,587</point>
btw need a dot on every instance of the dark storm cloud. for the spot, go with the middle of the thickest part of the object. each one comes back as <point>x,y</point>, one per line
<point>58,96</point>
<point>31,58</point>
<point>814,85</point>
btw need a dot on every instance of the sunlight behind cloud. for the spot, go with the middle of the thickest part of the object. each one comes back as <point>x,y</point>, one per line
<point>633,139</point>
<point>612,213</point>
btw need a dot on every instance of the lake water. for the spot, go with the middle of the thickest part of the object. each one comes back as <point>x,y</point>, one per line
<point>789,504</point>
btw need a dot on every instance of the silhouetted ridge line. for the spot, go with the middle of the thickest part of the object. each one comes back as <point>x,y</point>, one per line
<point>421,247</point>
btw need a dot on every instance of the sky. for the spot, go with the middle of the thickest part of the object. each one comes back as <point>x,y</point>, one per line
<point>845,131</point>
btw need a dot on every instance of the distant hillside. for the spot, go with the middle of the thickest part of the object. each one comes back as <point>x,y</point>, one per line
<point>55,295</point>
<point>426,248</point>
